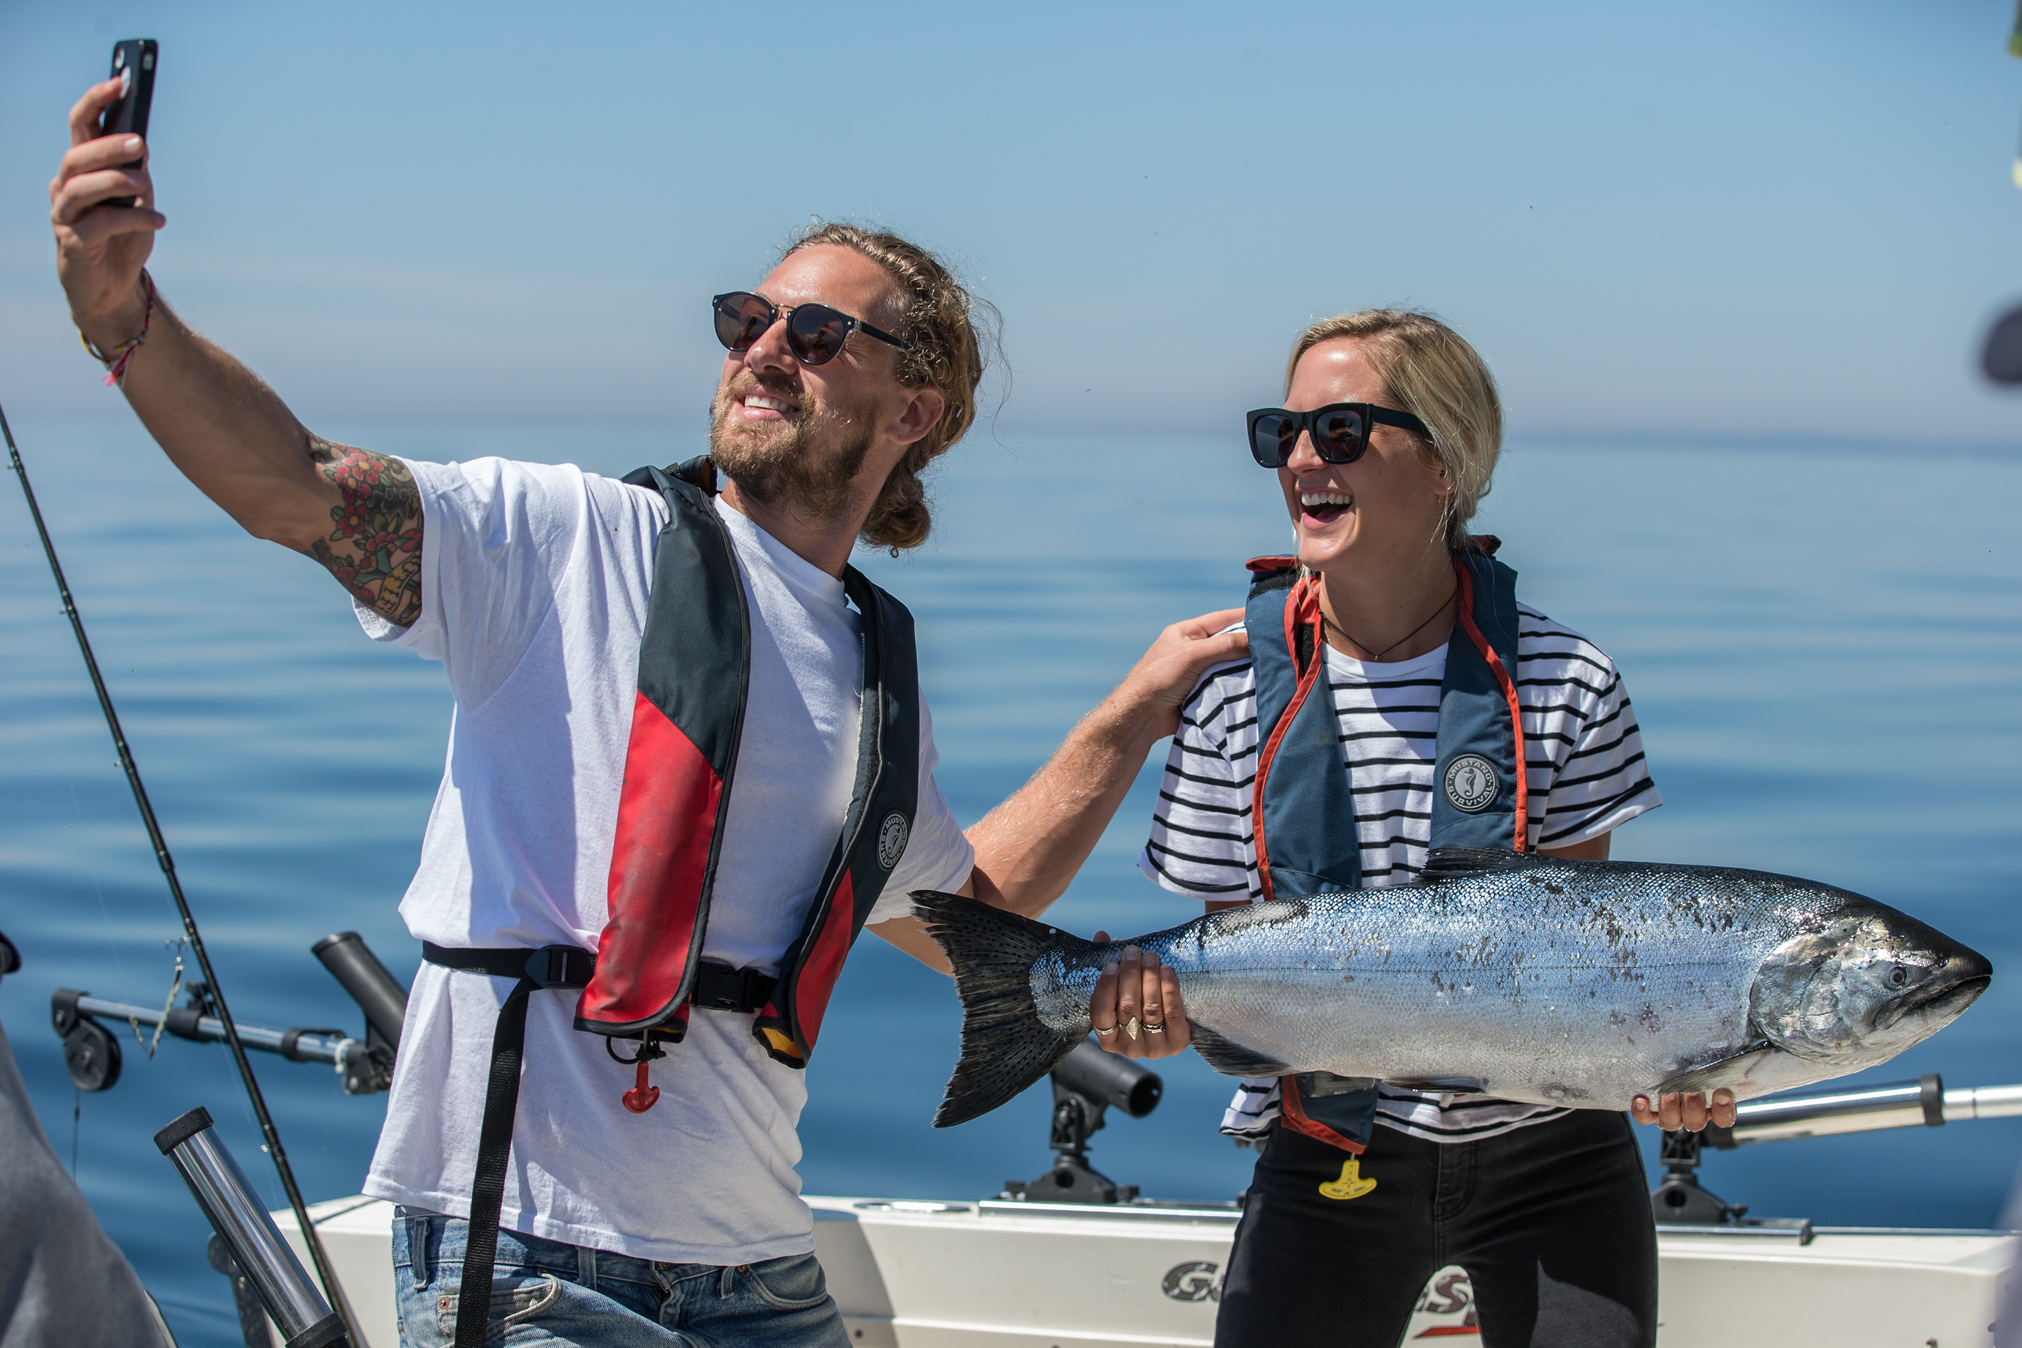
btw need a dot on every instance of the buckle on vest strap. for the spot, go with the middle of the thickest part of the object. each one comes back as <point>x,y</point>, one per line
<point>718,987</point>
<point>561,966</point>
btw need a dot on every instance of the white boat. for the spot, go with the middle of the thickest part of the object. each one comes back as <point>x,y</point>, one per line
<point>1010,1272</point>
<point>1006,1274</point>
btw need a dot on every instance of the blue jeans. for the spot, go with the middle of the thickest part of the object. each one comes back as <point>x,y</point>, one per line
<point>546,1294</point>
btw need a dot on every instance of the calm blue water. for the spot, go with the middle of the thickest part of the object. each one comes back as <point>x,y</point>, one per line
<point>1823,647</point>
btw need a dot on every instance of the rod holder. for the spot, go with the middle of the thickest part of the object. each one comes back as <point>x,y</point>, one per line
<point>1086,1084</point>
<point>1900,1104</point>
<point>375,989</point>
<point>241,1221</point>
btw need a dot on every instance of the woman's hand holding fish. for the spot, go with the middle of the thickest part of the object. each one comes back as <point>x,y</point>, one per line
<point>1136,1008</point>
<point>1689,1111</point>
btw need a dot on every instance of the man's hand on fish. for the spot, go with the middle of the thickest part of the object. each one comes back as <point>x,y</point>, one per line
<point>1136,1007</point>
<point>1690,1111</point>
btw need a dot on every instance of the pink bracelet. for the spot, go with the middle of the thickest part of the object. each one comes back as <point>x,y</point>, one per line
<point>115,361</point>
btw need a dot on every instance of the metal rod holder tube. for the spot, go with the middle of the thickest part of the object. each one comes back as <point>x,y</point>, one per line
<point>241,1221</point>
<point>377,992</point>
<point>1983,1102</point>
<point>1900,1105</point>
<point>1109,1079</point>
<point>307,1046</point>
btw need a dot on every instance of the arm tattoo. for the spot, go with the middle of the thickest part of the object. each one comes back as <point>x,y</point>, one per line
<point>374,545</point>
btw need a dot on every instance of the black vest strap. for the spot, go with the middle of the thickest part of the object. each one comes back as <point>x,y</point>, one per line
<point>552,966</point>
<point>717,987</point>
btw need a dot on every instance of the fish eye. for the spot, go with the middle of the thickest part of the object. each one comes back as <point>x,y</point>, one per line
<point>1898,976</point>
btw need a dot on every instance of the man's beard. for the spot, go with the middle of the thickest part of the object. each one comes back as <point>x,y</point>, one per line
<point>805,467</point>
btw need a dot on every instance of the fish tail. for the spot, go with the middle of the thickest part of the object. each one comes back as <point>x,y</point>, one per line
<point>1005,1045</point>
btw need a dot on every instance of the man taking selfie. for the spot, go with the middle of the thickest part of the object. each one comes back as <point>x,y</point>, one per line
<point>689,762</point>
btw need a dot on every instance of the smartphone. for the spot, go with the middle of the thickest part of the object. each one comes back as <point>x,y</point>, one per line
<point>134,61</point>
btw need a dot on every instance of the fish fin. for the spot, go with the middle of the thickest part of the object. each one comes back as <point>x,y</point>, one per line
<point>1232,1059</point>
<point>1005,1046</point>
<point>1443,862</point>
<point>1437,1085</point>
<point>1729,1071</point>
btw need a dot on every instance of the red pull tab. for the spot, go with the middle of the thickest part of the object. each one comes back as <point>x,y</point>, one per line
<point>642,1097</point>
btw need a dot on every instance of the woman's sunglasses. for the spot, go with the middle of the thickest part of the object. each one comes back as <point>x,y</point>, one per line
<point>1340,431</point>
<point>815,333</point>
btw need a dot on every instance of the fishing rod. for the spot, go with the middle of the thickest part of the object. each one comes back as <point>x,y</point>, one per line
<point>168,869</point>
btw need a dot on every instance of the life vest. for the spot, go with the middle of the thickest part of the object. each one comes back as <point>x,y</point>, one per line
<point>687,722</point>
<point>1302,817</point>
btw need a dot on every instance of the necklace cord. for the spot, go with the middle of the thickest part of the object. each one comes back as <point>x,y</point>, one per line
<point>310,1236</point>
<point>1378,656</point>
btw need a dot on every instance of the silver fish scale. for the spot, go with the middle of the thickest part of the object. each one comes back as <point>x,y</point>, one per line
<point>1533,984</point>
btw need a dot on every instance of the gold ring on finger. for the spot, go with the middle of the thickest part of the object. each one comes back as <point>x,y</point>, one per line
<point>1150,1028</point>
<point>1130,1027</point>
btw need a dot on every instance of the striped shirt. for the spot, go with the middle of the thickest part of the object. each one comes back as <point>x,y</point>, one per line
<point>1586,771</point>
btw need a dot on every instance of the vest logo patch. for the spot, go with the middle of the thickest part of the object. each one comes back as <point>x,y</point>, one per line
<point>892,835</point>
<point>1470,784</point>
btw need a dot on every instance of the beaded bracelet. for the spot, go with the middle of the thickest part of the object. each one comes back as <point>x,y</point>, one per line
<point>115,361</point>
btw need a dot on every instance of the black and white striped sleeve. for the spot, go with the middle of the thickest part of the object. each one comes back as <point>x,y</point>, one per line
<point>1588,775</point>
<point>1200,829</point>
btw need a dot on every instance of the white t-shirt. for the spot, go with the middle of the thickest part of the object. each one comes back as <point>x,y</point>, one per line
<point>534,583</point>
<point>1583,759</point>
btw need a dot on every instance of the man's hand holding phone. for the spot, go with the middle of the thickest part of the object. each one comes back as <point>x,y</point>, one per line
<point>101,247</point>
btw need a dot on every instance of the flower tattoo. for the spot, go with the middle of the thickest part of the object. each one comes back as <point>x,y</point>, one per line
<point>374,546</point>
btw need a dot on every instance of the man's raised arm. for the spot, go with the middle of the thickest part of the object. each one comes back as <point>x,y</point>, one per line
<point>356,512</point>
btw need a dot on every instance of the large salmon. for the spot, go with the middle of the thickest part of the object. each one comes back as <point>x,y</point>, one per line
<point>1579,983</point>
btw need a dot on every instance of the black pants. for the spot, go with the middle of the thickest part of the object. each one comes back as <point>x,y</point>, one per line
<point>1552,1223</point>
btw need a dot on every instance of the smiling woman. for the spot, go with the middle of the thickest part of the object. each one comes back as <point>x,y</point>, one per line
<point>1453,716</point>
<point>1448,395</point>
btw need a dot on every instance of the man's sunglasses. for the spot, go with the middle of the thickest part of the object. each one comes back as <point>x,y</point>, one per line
<point>1340,431</point>
<point>815,333</point>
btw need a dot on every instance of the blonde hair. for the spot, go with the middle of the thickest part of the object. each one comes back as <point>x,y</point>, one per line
<point>1430,371</point>
<point>937,317</point>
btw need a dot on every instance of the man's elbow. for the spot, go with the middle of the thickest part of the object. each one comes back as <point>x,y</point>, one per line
<point>291,526</point>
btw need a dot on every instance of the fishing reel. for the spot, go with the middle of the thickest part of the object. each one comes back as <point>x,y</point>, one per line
<point>1085,1084</point>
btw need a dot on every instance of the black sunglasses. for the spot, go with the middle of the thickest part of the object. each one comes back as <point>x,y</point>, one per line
<point>1340,431</point>
<point>815,333</point>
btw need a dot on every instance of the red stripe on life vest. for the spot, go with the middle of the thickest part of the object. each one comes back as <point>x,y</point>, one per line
<point>1516,711</point>
<point>1299,1121</point>
<point>666,819</point>
<point>823,964</point>
<point>1304,593</point>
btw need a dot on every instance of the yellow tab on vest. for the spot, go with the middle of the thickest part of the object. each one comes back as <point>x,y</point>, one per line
<point>780,1043</point>
<point>1351,1184</point>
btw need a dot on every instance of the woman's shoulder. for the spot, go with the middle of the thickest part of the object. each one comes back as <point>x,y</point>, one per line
<point>1218,688</point>
<point>1545,642</point>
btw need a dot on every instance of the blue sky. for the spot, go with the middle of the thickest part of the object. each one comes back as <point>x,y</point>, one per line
<point>1727,219</point>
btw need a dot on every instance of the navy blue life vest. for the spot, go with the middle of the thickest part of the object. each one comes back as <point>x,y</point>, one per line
<point>687,721</point>
<point>1303,814</point>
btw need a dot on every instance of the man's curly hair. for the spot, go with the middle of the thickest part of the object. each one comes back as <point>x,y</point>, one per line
<point>937,317</point>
